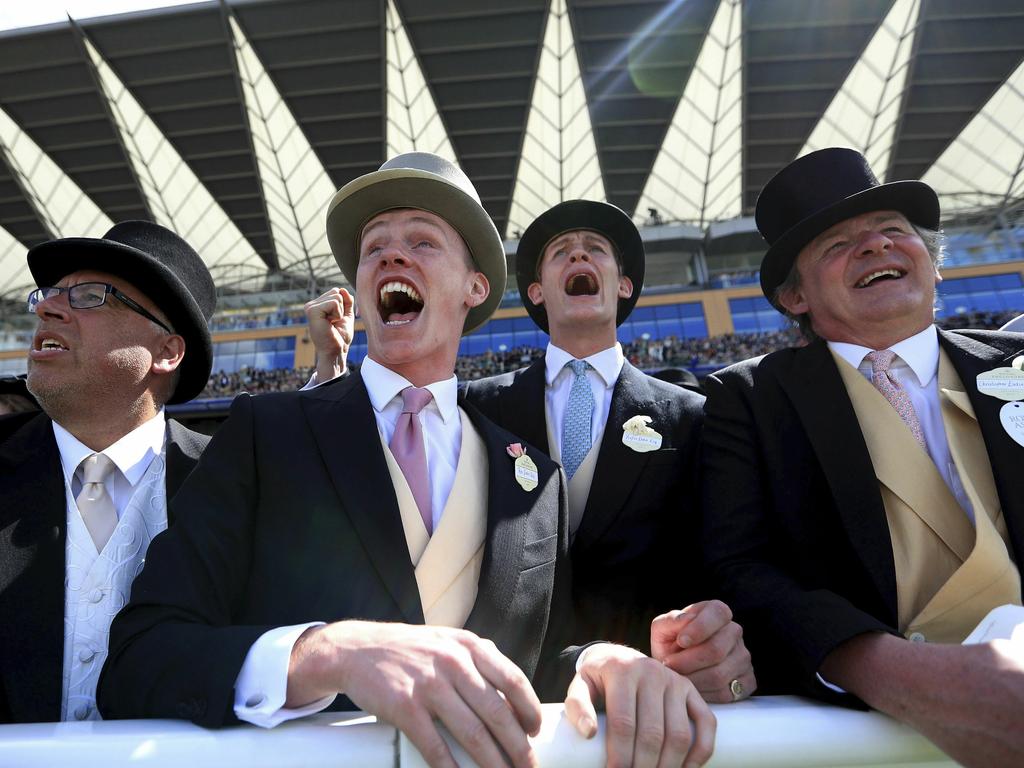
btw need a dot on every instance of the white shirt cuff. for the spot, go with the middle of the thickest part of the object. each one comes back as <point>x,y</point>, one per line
<point>262,684</point>
<point>829,685</point>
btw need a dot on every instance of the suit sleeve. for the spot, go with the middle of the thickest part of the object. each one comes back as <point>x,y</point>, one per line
<point>174,652</point>
<point>791,617</point>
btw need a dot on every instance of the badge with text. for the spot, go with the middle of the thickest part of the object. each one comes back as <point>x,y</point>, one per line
<point>1011,416</point>
<point>1004,383</point>
<point>526,470</point>
<point>1018,363</point>
<point>638,436</point>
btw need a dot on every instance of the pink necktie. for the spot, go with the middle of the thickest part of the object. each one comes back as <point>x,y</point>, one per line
<point>410,453</point>
<point>884,381</point>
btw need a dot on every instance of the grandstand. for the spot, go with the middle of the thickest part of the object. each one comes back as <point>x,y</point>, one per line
<point>234,122</point>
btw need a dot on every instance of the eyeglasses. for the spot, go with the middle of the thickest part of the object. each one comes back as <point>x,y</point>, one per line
<point>90,296</point>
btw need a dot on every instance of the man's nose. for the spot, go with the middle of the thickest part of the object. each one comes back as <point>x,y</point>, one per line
<point>55,306</point>
<point>873,243</point>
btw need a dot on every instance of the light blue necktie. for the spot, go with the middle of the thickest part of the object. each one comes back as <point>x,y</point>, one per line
<point>578,414</point>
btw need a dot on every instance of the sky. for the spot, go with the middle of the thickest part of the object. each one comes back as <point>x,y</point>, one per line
<point>15,14</point>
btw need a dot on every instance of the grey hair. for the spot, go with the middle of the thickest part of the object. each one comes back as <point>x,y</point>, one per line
<point>934,241</point>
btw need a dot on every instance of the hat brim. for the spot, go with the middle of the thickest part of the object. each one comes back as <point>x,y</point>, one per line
<point>362,199</point>
<point>914,199</point>
<point>49,262</point>
<point>603,218</point>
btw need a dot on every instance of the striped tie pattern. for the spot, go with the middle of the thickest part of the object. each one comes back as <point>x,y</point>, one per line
<point>579,412</point>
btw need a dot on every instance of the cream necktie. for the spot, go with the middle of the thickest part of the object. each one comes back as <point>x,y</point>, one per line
<point>94,502</point>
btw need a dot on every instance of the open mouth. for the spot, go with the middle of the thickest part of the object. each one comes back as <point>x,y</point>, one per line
<point>881,275</point>
<point>47,343</point>
<point>581,284</point>
<point>399,303</point>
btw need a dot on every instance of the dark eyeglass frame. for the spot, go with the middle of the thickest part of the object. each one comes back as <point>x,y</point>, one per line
<point>77,299</point>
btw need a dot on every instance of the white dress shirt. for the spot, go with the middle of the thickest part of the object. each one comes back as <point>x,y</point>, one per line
<point>602,374</point>
<point>916,368</point>
<point>132,455</point>
<point>262,683</point>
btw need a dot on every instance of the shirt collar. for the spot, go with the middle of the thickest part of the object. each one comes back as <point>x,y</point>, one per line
<point>132,453</point>
<point>383,385</point>
<point>920,352</point>
<point>608,363</point>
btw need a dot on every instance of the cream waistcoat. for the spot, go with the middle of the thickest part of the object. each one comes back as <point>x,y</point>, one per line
<point>447,564</point>
<point>949,573</point>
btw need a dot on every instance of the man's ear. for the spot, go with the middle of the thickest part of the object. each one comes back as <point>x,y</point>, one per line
<point>169,355</point>
<point>536,293</point>
<point>625,287</point>
<point>793,300</point>
<point>479,290</point>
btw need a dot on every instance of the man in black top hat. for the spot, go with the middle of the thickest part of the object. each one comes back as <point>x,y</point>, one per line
<point>633,511</point>
<point>310,554</point>
<point>122,331</point>
<point>864,500</point>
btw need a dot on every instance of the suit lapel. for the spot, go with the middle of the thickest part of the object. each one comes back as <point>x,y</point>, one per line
<point>184,447</point>
<point>619,467</point>
<point>33,531</point>
<point>342,422</point>
<point>819,398</point>
<point>524,405</point>
<point>971,357</point>
<point>506,533</point>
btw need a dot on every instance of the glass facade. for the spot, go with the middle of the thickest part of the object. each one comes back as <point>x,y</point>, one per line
<point>987,293</point>
<point>755,315</point>
<point>232,356</point>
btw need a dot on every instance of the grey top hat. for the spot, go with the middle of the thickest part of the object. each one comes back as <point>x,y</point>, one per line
<point>161,265</point>
<point>430,183</point>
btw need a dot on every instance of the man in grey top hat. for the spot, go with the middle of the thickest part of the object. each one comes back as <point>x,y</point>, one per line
<point>378,543</point>
<point>864,500</point>
<point>122,330</point>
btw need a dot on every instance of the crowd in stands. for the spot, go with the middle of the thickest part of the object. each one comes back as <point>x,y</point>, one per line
<point>242,321</point>
<point>646,354</point>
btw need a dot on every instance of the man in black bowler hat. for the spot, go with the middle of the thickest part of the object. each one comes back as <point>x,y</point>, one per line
<point>122,331</point>
<point>864,500</point>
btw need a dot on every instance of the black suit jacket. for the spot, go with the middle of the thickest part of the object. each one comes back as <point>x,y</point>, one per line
<point>291,517</point>
<point>33,533</point>
<point>636,551</point>
<point>795,527</point>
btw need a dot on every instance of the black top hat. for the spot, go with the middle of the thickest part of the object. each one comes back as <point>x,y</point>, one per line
<point>431,183</point>
<point>161,265</point>
<point>603,218</point>
<point>819,190</point>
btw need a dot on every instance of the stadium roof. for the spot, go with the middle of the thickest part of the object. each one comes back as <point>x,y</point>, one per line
<point>234,122</point>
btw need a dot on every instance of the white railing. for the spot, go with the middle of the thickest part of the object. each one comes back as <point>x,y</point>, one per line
<point>777,731</point>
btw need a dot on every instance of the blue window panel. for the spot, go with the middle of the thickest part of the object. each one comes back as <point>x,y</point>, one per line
<point>692,309</point>
<point>773,322</point>
<point>478,344</point>
<point>523,324</point>
<point>642,313</point>
<point>1010,281</point>
<point>695,328</point>
<point>666,311</point>
<point>673,327</point>
<point>739,306</point>
<point>225,347</point>
<point>357,353</point>
<point>527,338</point>
<point>499,326</point>
<point>745,323</point>
<point>264,360</point>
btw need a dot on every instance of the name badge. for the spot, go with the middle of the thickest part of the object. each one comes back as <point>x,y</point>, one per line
<point>639,437</point>
<point>1011,416</point>
<point>1004,383</point>
<point>526,473</point>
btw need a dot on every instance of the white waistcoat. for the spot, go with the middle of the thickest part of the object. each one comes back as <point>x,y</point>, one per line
<point>97,586</point>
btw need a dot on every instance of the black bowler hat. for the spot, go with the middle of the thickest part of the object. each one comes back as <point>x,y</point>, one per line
<point>161,265</point>
<point>603,218</point>
<point>819,190</point>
